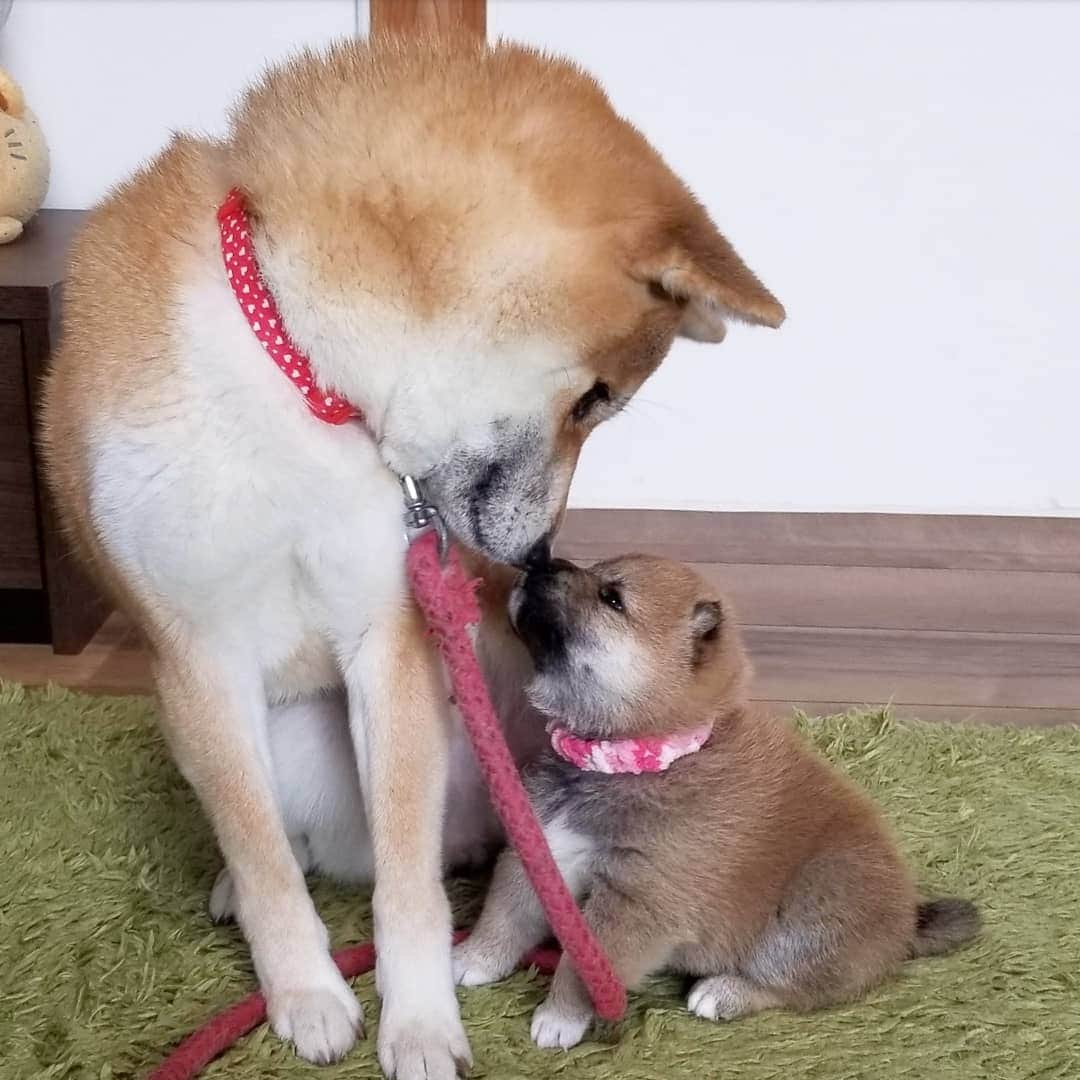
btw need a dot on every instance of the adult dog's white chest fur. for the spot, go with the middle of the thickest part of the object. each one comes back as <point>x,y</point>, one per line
<point>228,500</point>
<point>280,539</point>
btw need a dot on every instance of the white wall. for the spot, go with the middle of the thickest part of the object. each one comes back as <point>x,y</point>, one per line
<point>905,176</point>
<point>110,79</point>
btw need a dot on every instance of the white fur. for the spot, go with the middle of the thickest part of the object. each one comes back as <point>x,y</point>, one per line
<point>724,997</point>
<point>621,665</point>
<point>258,529</point>
<point>553,1028</point>
<point>434,391</point>
<point>572,852</point>
<point>604,678</point>
<point>376,352</point>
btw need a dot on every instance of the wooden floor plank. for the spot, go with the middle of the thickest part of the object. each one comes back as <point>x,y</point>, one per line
<point>113,663</point>
<point>949,714</point>
<point>932,541</point>
<point>987,677</point>
<point>912,667</point>
<point>880,597</point>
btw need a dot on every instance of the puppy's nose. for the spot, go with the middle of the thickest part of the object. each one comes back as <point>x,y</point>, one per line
<point>539,555</point>
<point>543,578</point>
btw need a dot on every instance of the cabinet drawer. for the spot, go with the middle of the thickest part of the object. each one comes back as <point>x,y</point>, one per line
<point>20,550</point>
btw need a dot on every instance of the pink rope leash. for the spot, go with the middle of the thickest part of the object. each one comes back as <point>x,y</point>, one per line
<point>448,600</point>
<point>230,1026</point>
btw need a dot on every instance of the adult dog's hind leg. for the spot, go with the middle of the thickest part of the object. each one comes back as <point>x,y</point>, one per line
<point>222,903</point>
<point>213,717</point>
<point>399,713</point>
<point>317,791</point>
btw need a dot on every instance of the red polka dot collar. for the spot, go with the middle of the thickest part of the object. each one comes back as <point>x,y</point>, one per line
<point>261,312</point>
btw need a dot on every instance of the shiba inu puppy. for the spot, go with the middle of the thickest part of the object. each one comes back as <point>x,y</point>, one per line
<point>469,247</point>
<point>705,837</point>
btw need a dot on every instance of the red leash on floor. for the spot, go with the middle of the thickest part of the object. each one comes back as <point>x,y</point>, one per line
<point>230,1026</point>
<point>447,599</point>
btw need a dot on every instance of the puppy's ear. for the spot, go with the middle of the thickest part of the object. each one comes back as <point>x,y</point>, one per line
<point>705,623</point>
<point>696,268</point>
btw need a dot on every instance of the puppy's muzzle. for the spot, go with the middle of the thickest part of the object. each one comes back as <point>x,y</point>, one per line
<point>537,610</point>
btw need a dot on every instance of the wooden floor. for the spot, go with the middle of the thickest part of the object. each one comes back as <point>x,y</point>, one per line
<point>996,679</point>
<point>947,617</point>
<point>943,618</point>
<point>113,663</point>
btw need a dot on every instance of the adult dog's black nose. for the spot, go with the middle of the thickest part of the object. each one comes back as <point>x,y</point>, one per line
<point>539,555</point>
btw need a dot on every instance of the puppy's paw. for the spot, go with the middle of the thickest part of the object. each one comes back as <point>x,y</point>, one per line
<point>555,1028</point>
<point>723,997</point>
<point>422,1048</point>
<point>223,898</point>
<point>476,966</point>
<point>322,1021</point>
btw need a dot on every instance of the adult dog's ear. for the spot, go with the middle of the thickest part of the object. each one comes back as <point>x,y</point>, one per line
<point>696,268</point>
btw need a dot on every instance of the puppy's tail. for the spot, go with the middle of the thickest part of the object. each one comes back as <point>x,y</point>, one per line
<point>942,925</point>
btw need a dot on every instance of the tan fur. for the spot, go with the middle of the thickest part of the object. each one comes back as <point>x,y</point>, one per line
<point>273,904</point>
<point>489,198</point>
<point>676,695</point>
<point>752,864</point>
<point>458,149</point>
<point>522,141</point>
<point>409,757</point>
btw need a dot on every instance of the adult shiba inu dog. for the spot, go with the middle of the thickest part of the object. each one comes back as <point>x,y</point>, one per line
<point>472,249</point>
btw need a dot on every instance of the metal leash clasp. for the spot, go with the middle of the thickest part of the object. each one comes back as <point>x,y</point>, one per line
<point>421,515</point>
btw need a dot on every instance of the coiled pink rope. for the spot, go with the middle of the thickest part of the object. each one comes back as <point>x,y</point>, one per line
<point>447,599</point>
<point>231,1025</point>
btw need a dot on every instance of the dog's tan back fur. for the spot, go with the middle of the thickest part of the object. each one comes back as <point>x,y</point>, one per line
<point>129,258</point>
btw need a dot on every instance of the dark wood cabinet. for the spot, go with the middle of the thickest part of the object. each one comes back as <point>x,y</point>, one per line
<point>44,594</point>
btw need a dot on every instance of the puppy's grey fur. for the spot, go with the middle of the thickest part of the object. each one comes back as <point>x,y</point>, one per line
<point>752,865</point>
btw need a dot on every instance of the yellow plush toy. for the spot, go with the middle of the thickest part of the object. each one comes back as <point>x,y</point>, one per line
<point>24,161</point>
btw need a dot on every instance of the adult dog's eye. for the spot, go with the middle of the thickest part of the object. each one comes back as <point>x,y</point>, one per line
<point>610,595</point>
<point>598,393</point>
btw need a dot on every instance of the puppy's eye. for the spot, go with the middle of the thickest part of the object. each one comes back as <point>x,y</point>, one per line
<point>597,394</point>
<point>612,596</point>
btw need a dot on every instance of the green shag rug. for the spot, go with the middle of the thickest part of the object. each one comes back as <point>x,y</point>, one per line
<point>107,957</point>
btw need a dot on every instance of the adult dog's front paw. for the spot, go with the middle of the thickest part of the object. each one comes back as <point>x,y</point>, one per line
<point>476,966</point>
<point>555,1027</point>
<point>422,1047</point>
<point>322,1020</point>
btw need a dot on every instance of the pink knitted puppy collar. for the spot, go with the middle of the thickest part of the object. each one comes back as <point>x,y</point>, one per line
<point>649,754</point>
